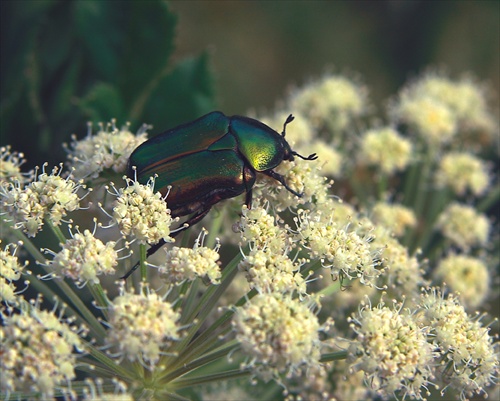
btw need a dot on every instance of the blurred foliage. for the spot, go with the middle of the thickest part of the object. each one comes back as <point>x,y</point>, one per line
<point>260,48</point>
<point>66,62</point>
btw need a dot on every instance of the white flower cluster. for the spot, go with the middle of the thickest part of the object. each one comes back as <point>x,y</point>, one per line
<point>84,257</point>
<point>38,352</point>
<point>141,325</point>
<point>279,334</point>
<point>48,196</point>
<point>142,213</point>
<point>110,148</point>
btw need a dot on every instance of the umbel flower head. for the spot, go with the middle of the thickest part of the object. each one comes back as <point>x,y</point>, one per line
<point>440,110</point>
<point>279,334</point>
<point>463,172</point>
<point>47,196</point>
<point>10,271</point>
<point>184,264</point>
<point>397,218</point>
<point>141,213</point>
<point>467,276</point>
<point>465,98</point>
<point>332,102</point>
<point>84,257</point>
<point>426,116</point>
<point>385,149</point>
<point>464,226</point>
<point>38,352</point>
<point>392,350</point>
<point>468,357</point>
<point>267,271</point>
<point>142,325</point>
<point>10,166</point>
<point>110,148</point>
<point>258,229</point>
<point>339,248</point>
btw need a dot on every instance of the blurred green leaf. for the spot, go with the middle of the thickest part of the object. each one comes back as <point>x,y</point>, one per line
<point>63,63</point>
<point>99,29</point>
<point>103,102</point>
<point>149,43</point>
<point>183,95</point>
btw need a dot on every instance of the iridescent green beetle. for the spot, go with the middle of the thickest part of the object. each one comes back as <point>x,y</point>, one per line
<point>215,157</point>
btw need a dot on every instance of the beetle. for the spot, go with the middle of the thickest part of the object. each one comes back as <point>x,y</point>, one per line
<point>212,158</point>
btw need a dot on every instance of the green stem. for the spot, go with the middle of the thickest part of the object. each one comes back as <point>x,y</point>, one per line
<point>437,201</point>
<point>89,365</point>
<point>491,199</point>
<point>216,377</point>
<point>419,199</point>
<point>143,266</point>
<point>205,359</point>
<point>81,387</point>
<point>166,395</point>
<point>90,319</point>
<point>381,185</point>
<point>214,292</point>
<point>214,229</point>
<point>272,392</point>
<point>434,247</point>
<point>57,231</point>
<point>189,301</point>
<point>410,183</point>
<point>206,339</point>
<point>333,356</point>
<point>109,363</point>
<point>200,313</point>
<point>331,289</point>
<point>100,297</point>
<point>185,237</point>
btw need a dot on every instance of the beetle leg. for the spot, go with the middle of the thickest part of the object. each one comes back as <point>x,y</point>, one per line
<point>190,222</point>
<point>193,220</point>
<point>248,199</point>
<point>281,179</point>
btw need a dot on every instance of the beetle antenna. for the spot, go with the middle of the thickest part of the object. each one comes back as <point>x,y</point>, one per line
<point>310,157</point>
<point>288,120</point>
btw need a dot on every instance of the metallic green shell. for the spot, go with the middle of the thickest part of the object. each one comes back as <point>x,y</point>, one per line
<point>263,147</point>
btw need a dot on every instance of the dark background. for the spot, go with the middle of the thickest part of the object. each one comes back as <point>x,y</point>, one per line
<point>67,62</point>
<point>260,48</point>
